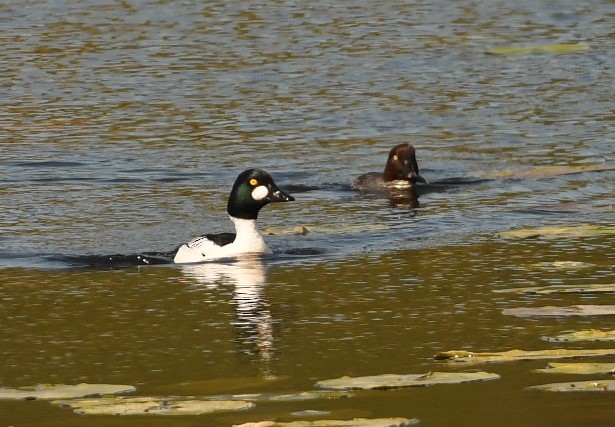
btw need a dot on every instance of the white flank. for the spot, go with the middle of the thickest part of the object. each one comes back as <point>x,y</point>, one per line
<point>248,241</point>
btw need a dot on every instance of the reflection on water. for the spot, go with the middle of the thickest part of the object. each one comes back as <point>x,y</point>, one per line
<point>124,124</point>
<point>253,321</point>
<point>404,197</point>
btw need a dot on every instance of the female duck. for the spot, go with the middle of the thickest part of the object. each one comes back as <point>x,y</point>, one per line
<point>401,171</point>
<point>253,189</point>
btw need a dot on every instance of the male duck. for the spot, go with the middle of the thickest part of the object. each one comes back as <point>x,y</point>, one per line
<point>401,171</point>
<point>253,189</point>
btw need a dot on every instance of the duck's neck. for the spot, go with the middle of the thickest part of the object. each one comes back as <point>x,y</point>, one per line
<point>388,174</point>
<point>248,238</point>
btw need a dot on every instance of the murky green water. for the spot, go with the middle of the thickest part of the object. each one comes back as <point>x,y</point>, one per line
<point>123,126</point>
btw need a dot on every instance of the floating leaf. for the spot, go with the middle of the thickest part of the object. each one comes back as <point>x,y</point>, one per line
<point>578,368</point>
<point>299,229</point>
<point>562,265</point>
<point>557,48</point>
<point>310,413</point>
<point>553,311</point>
<point>327,229</point>
<point>561,289</point>
<point>289,397</point>
<point>63,391</point>
<point>607,385</point>
<point>308,395</point>
<point>388,381</point>
<point>469,357</point>
<point>587,335</point>
<point>587,230</point>
<point>356,422</point>
<point>159,405</point>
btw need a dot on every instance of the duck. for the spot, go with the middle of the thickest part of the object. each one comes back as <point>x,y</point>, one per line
<point>401,171</point>
<point>253,189</point>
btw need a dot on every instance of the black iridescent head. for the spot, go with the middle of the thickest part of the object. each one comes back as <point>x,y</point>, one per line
<point>402,165</point>
<point>252,190</point>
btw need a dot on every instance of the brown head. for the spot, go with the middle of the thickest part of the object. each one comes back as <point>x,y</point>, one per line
<point>401,165</point>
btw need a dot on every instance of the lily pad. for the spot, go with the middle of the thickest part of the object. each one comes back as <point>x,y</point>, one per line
<point>469,357</point>
<point>592,288</point>
<point>356,422</point>
<point>289,397</point>
<point>587,230</point>
<point>553,311</point>
<point>309,395</point>
<point>388,381</point>
<point>607,385</point>
<point>279,231</point>
<point>63,391</point>
<point>586,335</point>
<point>158,405</point>
<point>562,265</point>
<point>557,48</point>
<point>327,229</point>
<point>578,368</point>
<point>310,413</point>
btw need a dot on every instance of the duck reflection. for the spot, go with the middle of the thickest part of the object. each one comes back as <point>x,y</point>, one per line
<point>253,321</point>
<point>403,197</point>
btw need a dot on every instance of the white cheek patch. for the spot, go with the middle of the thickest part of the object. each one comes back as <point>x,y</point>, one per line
<point>260,192</point>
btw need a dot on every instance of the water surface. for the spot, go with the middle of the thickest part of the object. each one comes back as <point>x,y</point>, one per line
<point>123,126</point>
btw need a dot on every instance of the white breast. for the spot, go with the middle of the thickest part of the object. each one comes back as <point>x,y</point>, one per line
<point>248,240</point>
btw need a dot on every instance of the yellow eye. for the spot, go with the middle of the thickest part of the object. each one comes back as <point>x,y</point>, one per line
<point>395,157</point>
<point>253,182</point>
